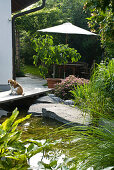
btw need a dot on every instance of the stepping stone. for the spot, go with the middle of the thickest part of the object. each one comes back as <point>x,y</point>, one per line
<point>61,112</point>
<point>69,102</point>
<point>45,99</point>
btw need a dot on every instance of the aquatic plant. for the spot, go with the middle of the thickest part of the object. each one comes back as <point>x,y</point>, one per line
<point>11,148</point>
<point>15,153</point>
<point>84,148</point>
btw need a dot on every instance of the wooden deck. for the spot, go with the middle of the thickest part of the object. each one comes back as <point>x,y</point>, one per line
<point>9,102</point>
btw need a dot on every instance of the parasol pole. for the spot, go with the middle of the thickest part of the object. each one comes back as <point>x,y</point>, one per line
<point>53,71</point>
<point>66,43</point>
<point>66,38</point>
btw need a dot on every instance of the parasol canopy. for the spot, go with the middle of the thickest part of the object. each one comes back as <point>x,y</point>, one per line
<point>67,28</point>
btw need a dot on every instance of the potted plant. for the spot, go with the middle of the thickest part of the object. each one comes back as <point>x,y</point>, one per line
<point>50,54</point>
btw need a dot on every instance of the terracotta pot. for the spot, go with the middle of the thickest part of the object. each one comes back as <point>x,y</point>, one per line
<point>52,81</point>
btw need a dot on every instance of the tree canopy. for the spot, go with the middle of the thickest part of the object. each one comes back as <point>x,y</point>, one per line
<point>101,21</point>
<point>57,12</point>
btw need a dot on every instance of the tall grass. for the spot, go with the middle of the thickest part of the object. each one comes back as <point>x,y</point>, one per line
<point>97,97</point>
<point>83,148</point>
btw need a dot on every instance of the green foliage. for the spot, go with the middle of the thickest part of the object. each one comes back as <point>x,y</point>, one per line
<point>12,150</point>
<point>101,20</point>
<point>57,12</point>
<point>82,148</point>
<point>29,24</point>
<point>43,71</point>
<point>98,96</point>
<point>50,54</point>
<point>26,50</point>
<point>73,12</point>
<point>14,153</point>
<point>98,144</point>
<point>19,71</point>
<point>63,89</point>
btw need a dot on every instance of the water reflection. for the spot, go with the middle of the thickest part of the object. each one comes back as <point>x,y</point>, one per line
<point>34,161</point>
<point>37,127</point>
<point>3,113</point>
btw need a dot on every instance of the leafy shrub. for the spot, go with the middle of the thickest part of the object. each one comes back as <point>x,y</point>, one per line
<point>50,54</point>
<point>63,89</point>
<point>98,96</point>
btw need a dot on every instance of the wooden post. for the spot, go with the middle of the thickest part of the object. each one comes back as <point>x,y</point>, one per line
<point>17,51</point>
<point>53,70</point>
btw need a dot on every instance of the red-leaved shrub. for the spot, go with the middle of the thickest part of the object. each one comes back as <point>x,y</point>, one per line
<point>63,89</point>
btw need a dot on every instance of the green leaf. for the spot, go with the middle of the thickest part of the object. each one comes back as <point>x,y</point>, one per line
<point>13,137</point>
<point>7,125</point>
<point>14,126</point>
<point>53,163</point>
<point>30,148</point>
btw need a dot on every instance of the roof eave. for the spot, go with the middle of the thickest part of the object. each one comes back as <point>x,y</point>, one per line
<point>18,5</point>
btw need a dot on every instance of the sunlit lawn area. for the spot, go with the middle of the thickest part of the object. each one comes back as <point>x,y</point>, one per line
<point>29,69</point>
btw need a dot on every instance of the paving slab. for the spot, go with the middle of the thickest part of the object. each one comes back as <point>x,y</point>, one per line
<point>31,83</point>
<point>33,89</point>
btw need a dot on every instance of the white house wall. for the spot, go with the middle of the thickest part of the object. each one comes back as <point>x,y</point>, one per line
<point>5,42</point>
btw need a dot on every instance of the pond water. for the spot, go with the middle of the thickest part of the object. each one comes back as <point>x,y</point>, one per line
<point>37,127</point>
<point>72,145</point>
<point>40,128</point>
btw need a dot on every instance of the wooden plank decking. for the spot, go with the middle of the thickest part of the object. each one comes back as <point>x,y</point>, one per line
<point>10,102</point>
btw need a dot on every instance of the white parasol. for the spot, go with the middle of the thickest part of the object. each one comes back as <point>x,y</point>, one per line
<point>67,28</point>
